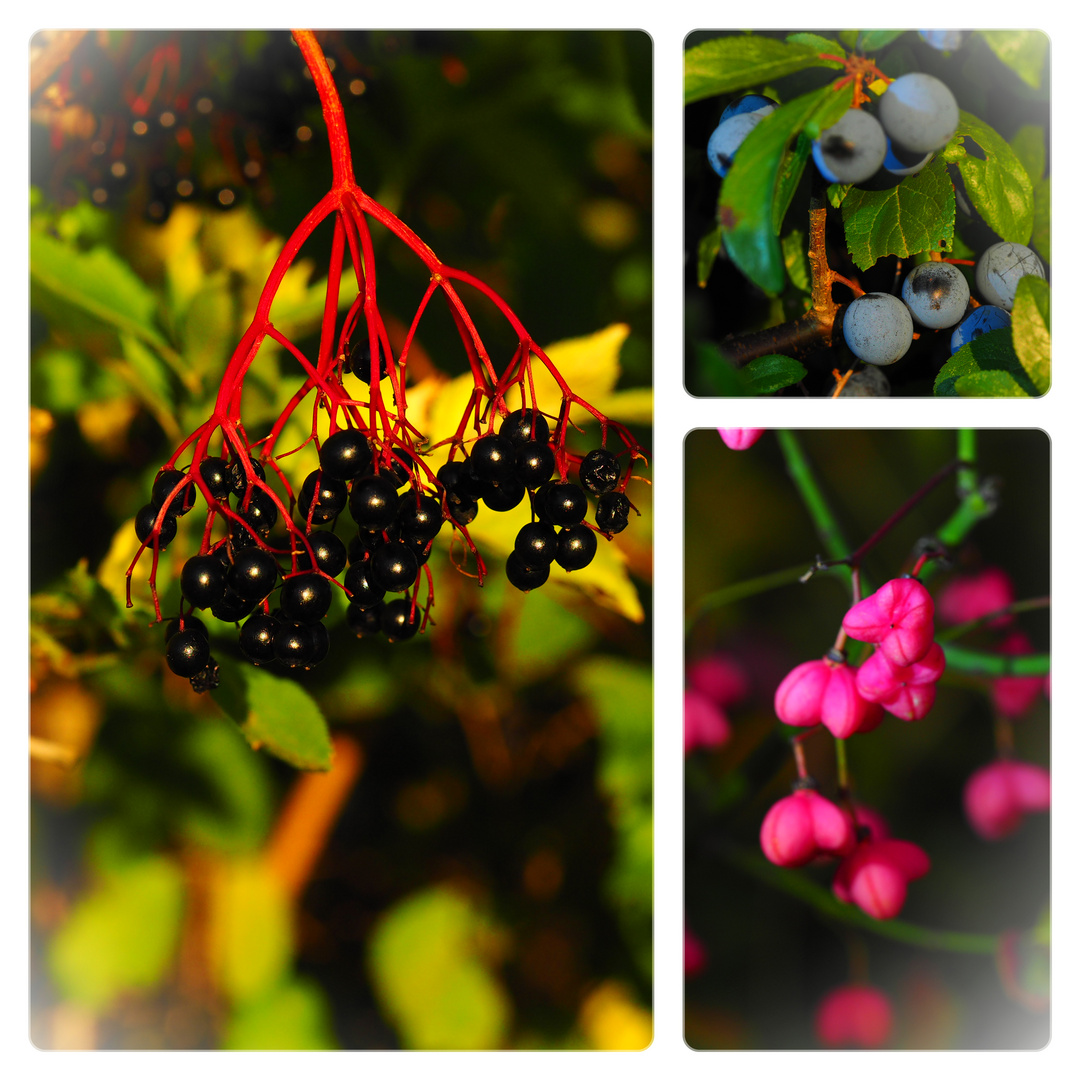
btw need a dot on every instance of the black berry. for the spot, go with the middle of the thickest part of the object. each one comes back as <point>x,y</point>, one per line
<point>293,644</point>
<point>165,483</point>
<point>187,652</point>
<point>599,471</point>
<point>331,556</point>
<point>202,580</point>
<point>575,547</point>
<point>305,598</point>
<point>400,619</point>
<point>232,607</point>
<point>359,361</point>
<point>144,527</point>
<point>393,566</point>
<point>207,679</point>
<point>238,475</point>
<point>363,591</point>
<point>345,454</point>
<point>364,621</point>
<point>257,638</point>
<point>261,511</point>
<point>215,474</point>
<point>535,543</point>
<point>328,503</point>
<point>525,577</point>
<point>565,504</point>
<point>505,495</point>
<point>612,512</point>
<point>534,463</point>
<point>373,502</point>
<point>525,425</point>
<point>492,458</point>
<point>254,573</point>
<point>419,516</point>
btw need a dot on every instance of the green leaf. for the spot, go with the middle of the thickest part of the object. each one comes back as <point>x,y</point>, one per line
<point>1022,51</point>
<point>1029,146</point>
<point>722,379</point>
<point>767,374</point>
<point>121,936</point>
<point>294,1016</point>
<point>277,715</point>
<point>788,177</point>
<point>795,261</point>
<point>96,282</point>
<point>1031,330</point>
<point>998,187</point>
<point>1040,228</point>
<point>987,367</point>
<point>748,192</point>
<point>708,250</point>
<point>208,326</point>
<point>726,64</point>
<point>872,40</point>
<point>917,215</point>
<point>425,962</point>
<point>250,930</point>
<point>820,45</point>
<point>63,379</point>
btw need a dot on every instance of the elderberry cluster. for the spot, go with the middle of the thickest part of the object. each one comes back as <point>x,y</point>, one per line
<point>396,522</point>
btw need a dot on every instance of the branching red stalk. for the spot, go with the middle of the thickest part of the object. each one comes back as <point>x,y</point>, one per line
<point>392,437</point>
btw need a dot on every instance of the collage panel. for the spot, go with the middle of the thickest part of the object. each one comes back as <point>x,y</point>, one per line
<point>340,661</point>
<point>867,213</point>
<point>867,739</point>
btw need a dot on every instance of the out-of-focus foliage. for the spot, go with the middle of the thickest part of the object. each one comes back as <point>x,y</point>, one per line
<point>189,889</point>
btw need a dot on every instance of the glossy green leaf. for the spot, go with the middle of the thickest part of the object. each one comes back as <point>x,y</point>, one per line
<point>767,374</point>
<point>294,1016</point>
<point>425,962</point>
<point>987,367</point>
<point>250,930</point>
<point>726,64</point>
<point>1040,227</point>
<point>97,283</point>
<point>275,714</point>
<point>1031,330</point>
<point>1023,51</point>
<point>747,195</point>
<point>998,187</point>
<point>820,45</point>
<point>1029,146</point>
<point>121,936</point>
<point>917,215</point>
<point>797,264</point>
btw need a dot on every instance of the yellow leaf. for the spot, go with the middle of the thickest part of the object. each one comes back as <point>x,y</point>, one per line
<point>612,1020</point>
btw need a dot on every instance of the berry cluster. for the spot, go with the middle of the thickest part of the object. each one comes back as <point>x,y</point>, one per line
<point>879,327</point>
<point>898,677</point>
<point>374,461</point>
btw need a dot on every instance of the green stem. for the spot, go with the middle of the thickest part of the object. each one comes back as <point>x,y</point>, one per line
<point>955,632</point>
<point>996,664</point>
<point>976,501</point>
<point>823,901</point>
<point>731,594</point>
<point>802,475</point>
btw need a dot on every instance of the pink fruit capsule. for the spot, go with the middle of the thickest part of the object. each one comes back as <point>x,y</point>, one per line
<point>973,596</point>
<point>804,825</point>
<point>906,692</point>
<point>855,1015</point>
<point>1013,695</point>
<point>720,678</point>
<point>823,692</point>
<point>704,724</point>
<point>899,617</point>
<point>740,438</point>
<point>876,874</point>
<point>998,795</point>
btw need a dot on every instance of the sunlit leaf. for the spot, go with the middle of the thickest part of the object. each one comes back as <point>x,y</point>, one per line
<point>294,1016</point>
<point>121,936</point>
<point>1024,51</point>
<point>986,367</point>
<point>277,715</point>
<point>742,62</point>
<point>1031,330</point>
<point>249,931</point>
<point>425,963</point>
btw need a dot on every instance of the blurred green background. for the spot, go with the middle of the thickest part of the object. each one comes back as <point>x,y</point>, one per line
<point>476,870</point>
<point>771,957</point>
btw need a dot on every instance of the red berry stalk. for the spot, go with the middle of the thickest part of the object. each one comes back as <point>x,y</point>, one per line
<point>499,385</point>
